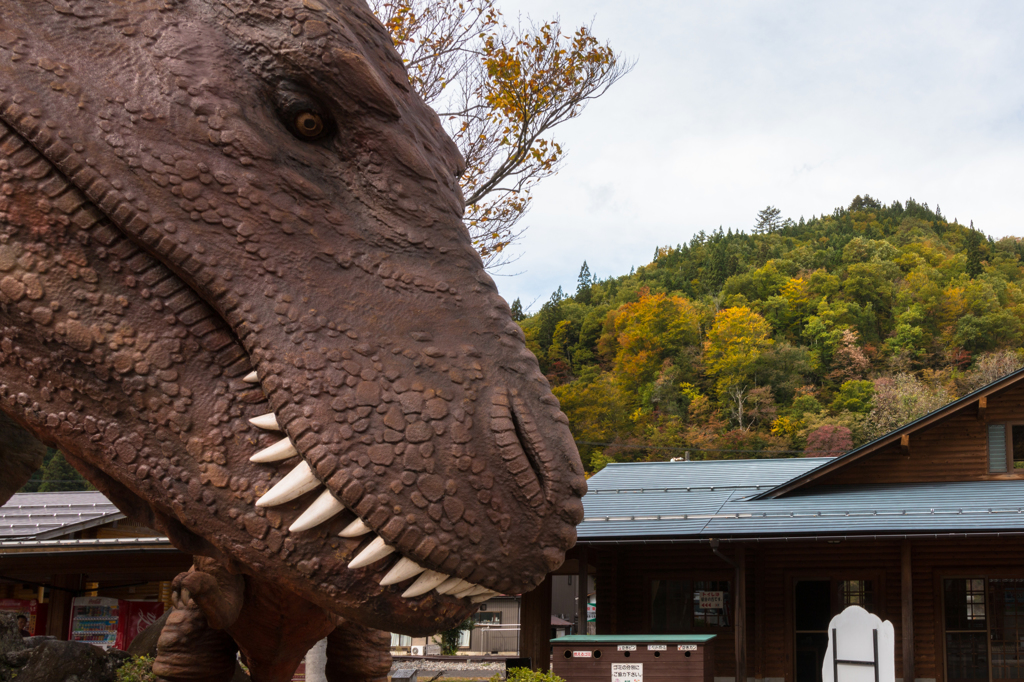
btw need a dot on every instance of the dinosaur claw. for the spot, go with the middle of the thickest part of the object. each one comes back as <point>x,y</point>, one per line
<point>282,449</point>
<point>323,508</point>
<point>299,481</point>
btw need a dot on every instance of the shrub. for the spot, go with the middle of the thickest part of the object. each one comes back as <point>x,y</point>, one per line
<point>137,669</point>
<point>527,675</point>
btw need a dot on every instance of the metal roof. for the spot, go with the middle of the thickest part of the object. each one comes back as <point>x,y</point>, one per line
<point>690,501</point>
<point>43,516</point>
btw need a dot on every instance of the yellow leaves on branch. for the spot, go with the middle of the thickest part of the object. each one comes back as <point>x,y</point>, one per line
<point>500,89</point>
<point>651,330</point>
<point>734,343</point>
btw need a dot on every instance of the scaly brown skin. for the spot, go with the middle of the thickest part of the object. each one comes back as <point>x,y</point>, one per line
<point>166,227</point>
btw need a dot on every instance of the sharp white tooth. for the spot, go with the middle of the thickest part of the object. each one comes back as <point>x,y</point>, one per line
<point>374,551</point>
<point>355,529</point>
<point>425,583</point>
<point>266,421</point>
<point>323,508</point>
<point>470,592</point>
<point>282,449</point>
<point>453,585</point>
<point>299,481</point>
<point>483,596</point>
<point>251,378</point>
<point>403,570</point>
<point>186,596</point>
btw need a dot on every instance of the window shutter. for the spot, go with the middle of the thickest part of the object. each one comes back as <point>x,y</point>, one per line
<point>997,448</point>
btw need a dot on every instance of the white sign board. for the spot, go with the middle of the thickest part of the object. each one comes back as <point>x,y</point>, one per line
<point>657,647</point>
<point>583,654</point>
<point>854,640</point>
<point>687,647</point>
<point>711,599</point>
<point>627,647</point>
<point>627,672</point>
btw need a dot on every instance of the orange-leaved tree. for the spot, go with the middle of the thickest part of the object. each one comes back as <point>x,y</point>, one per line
<point>649,331</point>
<point>500,88</point>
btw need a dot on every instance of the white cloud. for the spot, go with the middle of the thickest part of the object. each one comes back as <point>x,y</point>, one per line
<point>737,105</point>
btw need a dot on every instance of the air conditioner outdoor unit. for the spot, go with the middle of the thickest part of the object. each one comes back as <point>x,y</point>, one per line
<point>416,651</point>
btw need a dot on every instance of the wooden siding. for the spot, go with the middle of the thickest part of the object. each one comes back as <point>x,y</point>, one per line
<point>952,449</point>
<point>773,568</point>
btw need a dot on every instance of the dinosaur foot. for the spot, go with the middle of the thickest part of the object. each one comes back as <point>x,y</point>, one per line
<point>358,654</point>
<point>189,650</point>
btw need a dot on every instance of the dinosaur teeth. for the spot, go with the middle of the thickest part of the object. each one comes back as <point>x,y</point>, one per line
<point>425,583</point>
<point>299,481</point>
<point>471,591</point>
<point>403,570</point>
<point>373,551</point>
<point>323,508</point>
<point>483,596</point>
<point>354,529</point>
<point>453,585</point>
<point>266,421</point>
<point>282,449</point>
<point>251,378</point>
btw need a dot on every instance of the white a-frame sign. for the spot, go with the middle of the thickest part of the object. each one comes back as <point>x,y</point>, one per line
<point>861,648</point>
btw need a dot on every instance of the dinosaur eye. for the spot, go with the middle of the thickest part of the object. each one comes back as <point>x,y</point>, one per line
<point>309,124</point>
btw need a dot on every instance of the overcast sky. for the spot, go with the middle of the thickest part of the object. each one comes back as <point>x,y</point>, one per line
<point>733,106</point>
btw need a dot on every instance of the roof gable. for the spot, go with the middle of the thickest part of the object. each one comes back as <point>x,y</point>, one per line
<point>844,467</point>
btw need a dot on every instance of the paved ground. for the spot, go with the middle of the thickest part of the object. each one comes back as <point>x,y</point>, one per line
<point>427,668</point>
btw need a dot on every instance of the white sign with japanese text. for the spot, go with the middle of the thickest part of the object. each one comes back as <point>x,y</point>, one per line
<point>627,672</point>
<point>712,599</point>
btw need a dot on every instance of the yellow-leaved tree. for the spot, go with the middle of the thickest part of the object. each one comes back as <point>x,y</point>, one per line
<point>500,88</point>
<point>649,331</point>
<point>734,344</point>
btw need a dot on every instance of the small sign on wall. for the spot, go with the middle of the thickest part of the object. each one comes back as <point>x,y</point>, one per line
<point>711,599</point>
<point>627,647</point>
<point>583,654</point>
<point>627,672</point>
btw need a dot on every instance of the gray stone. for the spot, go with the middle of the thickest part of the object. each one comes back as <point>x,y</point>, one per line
<point>10,636</point>
<point>54,661</point>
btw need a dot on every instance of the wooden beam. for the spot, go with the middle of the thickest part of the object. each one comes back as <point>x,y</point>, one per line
<point>907,593</point>
<point>535,626</point>
<point>905,444</point>
<point>740,617</point>
<point>982,407</point>
<point>58,618</point>
<point>581,590</point>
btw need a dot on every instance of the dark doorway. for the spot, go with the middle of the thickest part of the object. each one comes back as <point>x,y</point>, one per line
<point>812,612</point>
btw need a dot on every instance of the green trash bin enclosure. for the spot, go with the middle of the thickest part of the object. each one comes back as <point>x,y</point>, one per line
<point>634,658</point>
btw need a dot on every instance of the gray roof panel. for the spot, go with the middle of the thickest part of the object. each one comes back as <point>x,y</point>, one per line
<point>42,516</point>
<point>644,511</point>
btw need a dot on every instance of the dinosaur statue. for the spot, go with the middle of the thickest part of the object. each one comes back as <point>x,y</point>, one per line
<point>236,292</point>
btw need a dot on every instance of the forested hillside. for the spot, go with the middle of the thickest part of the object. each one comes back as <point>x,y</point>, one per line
<point>804,337</point>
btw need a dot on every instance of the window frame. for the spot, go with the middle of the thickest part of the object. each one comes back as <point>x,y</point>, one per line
<point>692,577</point>
<point>1010,470</point>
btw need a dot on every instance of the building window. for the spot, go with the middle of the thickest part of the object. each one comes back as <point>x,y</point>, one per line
<point>1006,448</point>
<point>681,606</point>
<point>857,592</point>
<point>487,618</point>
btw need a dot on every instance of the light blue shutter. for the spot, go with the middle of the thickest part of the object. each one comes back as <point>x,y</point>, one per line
<point>997,448</point>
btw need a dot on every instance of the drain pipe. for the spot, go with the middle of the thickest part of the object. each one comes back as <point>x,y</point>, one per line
<point>739,618</point>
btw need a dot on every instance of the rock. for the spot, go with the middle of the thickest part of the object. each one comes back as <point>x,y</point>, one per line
<point>33,642</point>
<point>54,661</point>
<point>10,636</point>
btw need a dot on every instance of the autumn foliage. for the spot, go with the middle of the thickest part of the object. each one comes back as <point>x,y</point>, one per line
<point>802,338</point>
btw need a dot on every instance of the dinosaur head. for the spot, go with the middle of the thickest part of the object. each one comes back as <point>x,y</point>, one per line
<point>285,348</point>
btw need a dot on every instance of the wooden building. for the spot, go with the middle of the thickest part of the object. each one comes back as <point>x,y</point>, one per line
<point>924,526</point>
<point>58,546</point>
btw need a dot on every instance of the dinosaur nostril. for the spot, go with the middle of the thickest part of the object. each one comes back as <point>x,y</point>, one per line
<point>524,442</point>
<point>572,511</point>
